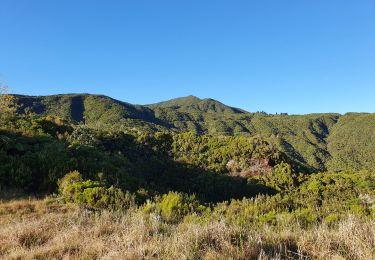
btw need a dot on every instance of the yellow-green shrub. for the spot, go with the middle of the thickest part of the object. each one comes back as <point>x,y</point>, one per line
<point>174,206</point>
<point>67,180</point>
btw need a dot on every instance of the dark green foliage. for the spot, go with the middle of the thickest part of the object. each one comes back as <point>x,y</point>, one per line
<point>31,164</point>
<point>52,126</point>
<point>36,163</point>
<point>129,161</point>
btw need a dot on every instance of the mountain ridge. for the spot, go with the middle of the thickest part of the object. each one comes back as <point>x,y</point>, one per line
<point>307,138</point>
<point>166,103</point>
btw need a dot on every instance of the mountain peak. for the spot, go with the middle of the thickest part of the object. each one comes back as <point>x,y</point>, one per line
<point>178,102</point>
<point>193,103</point>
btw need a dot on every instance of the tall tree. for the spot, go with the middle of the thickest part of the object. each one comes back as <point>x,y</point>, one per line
<point>8,105</point>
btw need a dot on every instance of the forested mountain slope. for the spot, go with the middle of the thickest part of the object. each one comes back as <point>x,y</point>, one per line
<point>352,142</point>
<point>315,142</point>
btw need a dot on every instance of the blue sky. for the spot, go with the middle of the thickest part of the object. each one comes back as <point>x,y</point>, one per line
<point>274,56</point>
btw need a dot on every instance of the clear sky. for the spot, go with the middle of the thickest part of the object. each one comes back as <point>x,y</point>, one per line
<point>275,56</point>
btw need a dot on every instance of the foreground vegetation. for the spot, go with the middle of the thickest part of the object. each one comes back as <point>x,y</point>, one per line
<point>327,216</point>
<point>35,229</point>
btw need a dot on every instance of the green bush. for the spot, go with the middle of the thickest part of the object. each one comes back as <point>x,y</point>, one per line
<point>110,198</point>
<point>332,218</point>
<point>93,194</point>
<point>174,206</point>
<point>68,180</point>
<point>306,216</point>
<point>282,178</point>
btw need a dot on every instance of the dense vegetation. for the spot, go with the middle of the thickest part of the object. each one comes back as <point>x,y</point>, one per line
<point>189,163</point>
<point>316,142</point>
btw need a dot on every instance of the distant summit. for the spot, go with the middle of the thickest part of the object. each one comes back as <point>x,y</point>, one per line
<point>194,103</point>
<point>178,102</point>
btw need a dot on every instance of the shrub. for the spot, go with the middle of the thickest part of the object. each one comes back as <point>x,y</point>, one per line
<point>174,206</point>
<point>306,216</point>
<point>269,218</point>
<point>67,180</point>
<point>110,198</point>
<point>332,218</point>
<point>282,177</point>
<point>93,194</point>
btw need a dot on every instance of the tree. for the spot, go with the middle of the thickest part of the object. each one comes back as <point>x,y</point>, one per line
<point>8,105</point>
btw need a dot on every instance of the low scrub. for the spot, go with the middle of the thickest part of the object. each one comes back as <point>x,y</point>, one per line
<point>135,234</point>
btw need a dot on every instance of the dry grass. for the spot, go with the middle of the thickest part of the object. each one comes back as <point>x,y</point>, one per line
<point>40,229</point>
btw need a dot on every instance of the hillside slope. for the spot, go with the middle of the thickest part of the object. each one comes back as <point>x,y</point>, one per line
<point>352,142</point>
<point>316,141</point>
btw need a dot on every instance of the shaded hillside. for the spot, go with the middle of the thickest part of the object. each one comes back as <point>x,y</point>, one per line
<point>183,114</point>
<point>93,110</point>
<point>311,141</point>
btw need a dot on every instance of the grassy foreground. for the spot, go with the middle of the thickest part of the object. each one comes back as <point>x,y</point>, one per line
<point>48,229</point>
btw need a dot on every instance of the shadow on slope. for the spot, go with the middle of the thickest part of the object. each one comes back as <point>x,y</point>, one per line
<point>35,164</point>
